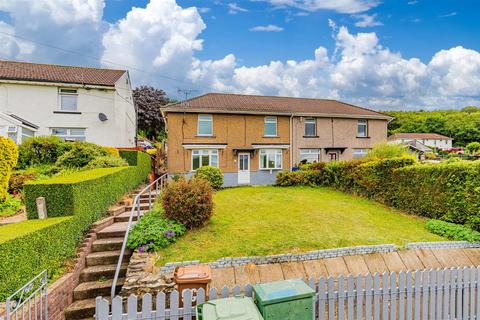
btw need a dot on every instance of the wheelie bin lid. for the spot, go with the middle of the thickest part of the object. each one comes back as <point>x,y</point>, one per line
<point>235,308</point>
<point>280,291</point>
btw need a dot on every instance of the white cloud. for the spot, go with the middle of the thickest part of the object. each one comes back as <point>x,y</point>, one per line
<point>366,20</point>
<point>447,15</point>
<point>269,28</point>
<point>204,10</point>
<point>341,6</point>
<point>234,8</point>
<point>412,2</point>
<point>74,25</point>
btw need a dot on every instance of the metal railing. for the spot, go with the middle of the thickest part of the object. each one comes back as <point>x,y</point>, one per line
<point>156,186</point>
<point>30,301</point>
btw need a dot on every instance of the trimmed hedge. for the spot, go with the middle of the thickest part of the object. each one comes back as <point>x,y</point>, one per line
<point>8,160</point>
<point>85,196</point>
<point>27,248</point>
<point>452,231</point>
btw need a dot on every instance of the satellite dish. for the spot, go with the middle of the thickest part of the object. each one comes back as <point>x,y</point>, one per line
<point>102,117</point>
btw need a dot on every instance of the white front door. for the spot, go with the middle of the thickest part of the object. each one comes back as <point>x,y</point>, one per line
<point>243,168</point>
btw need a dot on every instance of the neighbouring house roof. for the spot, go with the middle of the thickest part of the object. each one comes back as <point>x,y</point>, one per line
<point>239,103</point>
<point>421,136</point>
<point>418,146</point>
<point>26,71</point>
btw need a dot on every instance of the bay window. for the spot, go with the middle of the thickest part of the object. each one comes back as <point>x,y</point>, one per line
<point>270,159</point>
<point>201,158</point>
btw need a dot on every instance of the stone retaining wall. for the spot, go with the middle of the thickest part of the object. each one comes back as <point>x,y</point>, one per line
<point>443,245</point>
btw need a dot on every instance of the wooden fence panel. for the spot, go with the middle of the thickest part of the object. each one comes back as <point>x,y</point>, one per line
<point>429,294</point>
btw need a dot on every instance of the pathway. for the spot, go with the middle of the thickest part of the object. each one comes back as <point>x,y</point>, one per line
<point>413,259</point>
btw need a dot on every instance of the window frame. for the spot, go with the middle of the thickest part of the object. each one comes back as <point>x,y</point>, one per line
<point>68,136</point>
<point>270,120</point>
<point>363,155</point>
<point>308,121</point>
<point>210,121</point>
<point>275,153</point>
<point>209,154</point>
<point>362,123</point>
<point>67,92</point>
<point>318,153</point>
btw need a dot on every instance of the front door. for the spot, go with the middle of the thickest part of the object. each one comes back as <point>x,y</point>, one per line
<point>333,156</point>
<point>243,168</point>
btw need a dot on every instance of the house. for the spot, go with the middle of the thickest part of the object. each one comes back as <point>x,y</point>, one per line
<point>74,103</point>
<point>417,148</point>
<point>251,138</point>
<point>432,140</point>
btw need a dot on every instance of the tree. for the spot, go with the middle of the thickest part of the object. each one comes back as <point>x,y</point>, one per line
<point>473,148</point>
<point>148,101</point>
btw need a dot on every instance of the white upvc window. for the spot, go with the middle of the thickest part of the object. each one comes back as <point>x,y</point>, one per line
<point>205,125</point>
<point>12,132</point>
<point>310,155</point>
<point>270,159</point>
<point>27,133</point>
<point>310,127</point>
<point>68,100</point>
<point>70,134</point>
<point>270,127</point>
<point>362,128</point>
<point>360,153</point>
<point>207,157</point>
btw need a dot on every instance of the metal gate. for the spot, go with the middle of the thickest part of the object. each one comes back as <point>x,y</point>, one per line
<point>29,302</point>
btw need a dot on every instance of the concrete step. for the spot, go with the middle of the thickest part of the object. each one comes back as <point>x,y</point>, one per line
<point>93,289</point>
<point>143,206</point>
<point>115,230</point>
<point>102,272</point>
<point>81,309</point>
<point>124,217</point>
<point>108,244</point>
<point>103,258</point>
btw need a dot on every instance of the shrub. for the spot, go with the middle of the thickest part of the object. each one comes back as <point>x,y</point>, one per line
<point>8,160</point>
<point>106,162</point>
<point>154,232</point>
<point>80,155</point>
<point>385,150</point>
<point>473,148</point>
<point>112,151</point>
<point>189,202</point>
<point>452,231</point>
<point>10,206</point>
<point>91,191</point>
<point>41,150</point>
<point>212,174</point>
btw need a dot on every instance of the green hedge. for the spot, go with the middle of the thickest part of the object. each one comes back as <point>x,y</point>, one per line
<point>86,192</point>
<point>452,231</point>
<point>27,248</point>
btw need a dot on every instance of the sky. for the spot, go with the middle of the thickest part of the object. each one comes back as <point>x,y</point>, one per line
<point>385,55</point>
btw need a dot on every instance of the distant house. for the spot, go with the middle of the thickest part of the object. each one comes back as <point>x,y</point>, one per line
<point>252,138</point>
<point>74,103</point>
<point>432,140</point>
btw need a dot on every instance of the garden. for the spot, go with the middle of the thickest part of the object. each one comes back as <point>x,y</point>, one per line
<point>79,182</point>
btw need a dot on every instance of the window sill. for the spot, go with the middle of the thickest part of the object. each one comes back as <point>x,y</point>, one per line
<point>311,137</point>
<point>277,169</point>
<point>205,136</point>
<point>271,136</point>
<point>363,137</point>
<point>67,112</point>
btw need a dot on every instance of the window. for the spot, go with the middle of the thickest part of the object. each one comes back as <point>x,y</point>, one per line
<point>360,153</point>
<point>310,155</point>
<point>68,99</point>
<point>70,134</point>
<point>27,133</point>
<point>270,159</point>
<point>270,129</point>
<point>310,127</point>
<point>362,128</point>
<point>202,158</point>
<point>205,127</point>
<point>12,133</point>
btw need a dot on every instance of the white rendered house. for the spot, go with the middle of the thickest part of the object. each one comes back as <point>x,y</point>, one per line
<point>74,103</point>
<point>432,140</point>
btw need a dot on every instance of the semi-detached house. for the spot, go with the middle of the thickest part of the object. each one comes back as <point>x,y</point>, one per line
<point>251,138</point>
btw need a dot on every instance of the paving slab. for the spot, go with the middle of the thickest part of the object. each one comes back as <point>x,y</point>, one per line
<point>356,264</point>
<point>247,274</point>
<point>270,272</point>
<point>293,270</point>
<point>336,266</point>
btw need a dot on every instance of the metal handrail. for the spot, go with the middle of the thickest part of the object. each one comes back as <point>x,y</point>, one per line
<point>136,203</point>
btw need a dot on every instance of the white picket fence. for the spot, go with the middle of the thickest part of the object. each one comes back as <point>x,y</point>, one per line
<point>419,295</point>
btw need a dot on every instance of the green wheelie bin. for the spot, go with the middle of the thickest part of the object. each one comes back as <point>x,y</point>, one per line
<point>285,300</point>
<point>234,308</point>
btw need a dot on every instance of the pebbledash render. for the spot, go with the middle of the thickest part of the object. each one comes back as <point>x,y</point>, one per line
<point>252,138</point>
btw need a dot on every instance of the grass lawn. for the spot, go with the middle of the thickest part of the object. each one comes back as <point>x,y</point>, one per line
<point>251,221</point>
